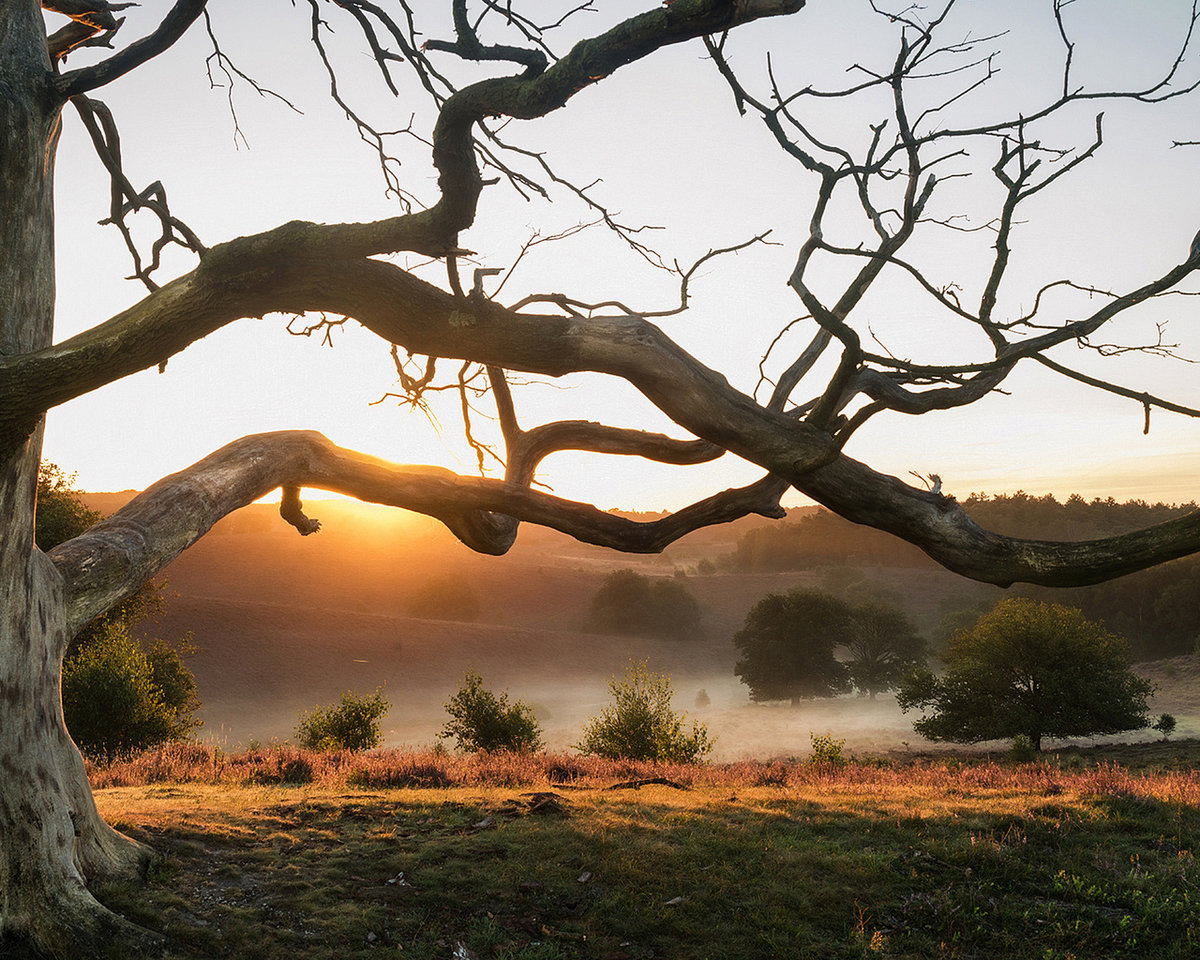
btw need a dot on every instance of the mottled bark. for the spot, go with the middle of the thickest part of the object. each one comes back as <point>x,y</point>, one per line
<point>52,841</point>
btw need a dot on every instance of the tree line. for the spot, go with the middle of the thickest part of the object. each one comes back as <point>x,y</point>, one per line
<point>1154,609</point>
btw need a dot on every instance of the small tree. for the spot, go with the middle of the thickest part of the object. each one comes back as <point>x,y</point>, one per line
<point>353,724</point>
<point>641,723</point>
<point>1030,668</point>
<point>480,720</point>
<point>787,646</point>
<point>884,647</point>
<point>630,603</point>
<point>1165,725</point>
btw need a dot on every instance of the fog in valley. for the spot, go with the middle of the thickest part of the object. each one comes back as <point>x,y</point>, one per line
<point>382,598</point>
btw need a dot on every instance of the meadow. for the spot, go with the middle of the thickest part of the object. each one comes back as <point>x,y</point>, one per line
<point>278,853</point>
<point>285,853</point>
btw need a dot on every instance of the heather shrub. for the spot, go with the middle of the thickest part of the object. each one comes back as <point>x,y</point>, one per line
<point>641,723</point>
<point>480,720</point>
<point>399,770</point>
<point>279,766</point>
<point>353,724</point>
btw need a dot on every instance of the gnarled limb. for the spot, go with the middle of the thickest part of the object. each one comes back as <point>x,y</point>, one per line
<point>114,558</point>
<point>311,267</point>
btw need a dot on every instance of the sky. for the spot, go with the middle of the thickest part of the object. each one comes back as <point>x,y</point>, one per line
<point>669,149</point>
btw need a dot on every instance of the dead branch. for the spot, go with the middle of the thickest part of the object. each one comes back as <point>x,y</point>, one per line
<point>172,27</point>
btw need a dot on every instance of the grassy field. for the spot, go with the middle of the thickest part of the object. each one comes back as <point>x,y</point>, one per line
<point>283,853</point>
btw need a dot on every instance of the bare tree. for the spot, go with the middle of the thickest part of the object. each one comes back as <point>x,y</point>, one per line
<point>52,842</point>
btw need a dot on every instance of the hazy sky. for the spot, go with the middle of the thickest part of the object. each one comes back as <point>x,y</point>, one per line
<point>671,151</point>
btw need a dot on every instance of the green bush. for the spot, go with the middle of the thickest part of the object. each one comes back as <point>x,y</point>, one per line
<point>118,700</point>
<point>1165,725</point>
<point>479,720</point>
<point>1022,749</point>
<point>61,512</point>
<point>632,604</point>
<point>826,751</point>
<point>352,724</point>
<point>641,724</point>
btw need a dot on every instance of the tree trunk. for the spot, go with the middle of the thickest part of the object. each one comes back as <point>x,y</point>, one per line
<point>52,841</point>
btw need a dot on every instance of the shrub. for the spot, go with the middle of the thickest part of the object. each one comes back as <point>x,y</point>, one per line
<point>353,724</point>
<point>479,720</point>
<point>174,680</point>
<point>826,751</point>
<point>1165,725</point>
<point>1022,750</point>
<point>641,724</point>
<point>116,698</point>
<point>632,604</point>
<point>114,701</point>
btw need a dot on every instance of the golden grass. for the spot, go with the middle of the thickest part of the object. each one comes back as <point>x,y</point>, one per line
<point>946,777</point>
<point>930,859</point>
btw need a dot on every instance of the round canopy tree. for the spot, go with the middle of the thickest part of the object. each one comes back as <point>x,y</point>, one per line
<point>883,646</point>
<point>870,201</point>
<point>787,646</point>
<point>1030,668</point>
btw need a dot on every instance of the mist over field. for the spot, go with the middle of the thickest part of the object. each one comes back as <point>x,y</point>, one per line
<point>283,623</point>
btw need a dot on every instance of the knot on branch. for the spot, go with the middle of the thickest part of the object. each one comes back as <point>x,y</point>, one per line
<point>291,509</point>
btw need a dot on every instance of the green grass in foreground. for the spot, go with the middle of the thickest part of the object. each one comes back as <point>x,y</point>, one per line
<point>932,859</point>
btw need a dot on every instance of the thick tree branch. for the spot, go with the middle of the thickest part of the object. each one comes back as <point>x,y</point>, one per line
<point>248,278</point>
<point>111,560</point>
<point>268,273</point>
<point>307,267</point>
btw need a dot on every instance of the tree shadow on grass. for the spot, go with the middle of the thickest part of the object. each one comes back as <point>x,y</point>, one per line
<point>667,873</point>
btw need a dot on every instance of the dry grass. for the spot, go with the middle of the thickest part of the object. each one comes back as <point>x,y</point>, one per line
<point>285,854</point>
<point>1097,775</point>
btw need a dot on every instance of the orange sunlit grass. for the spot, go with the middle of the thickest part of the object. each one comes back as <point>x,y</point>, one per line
<point>282,854</point>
